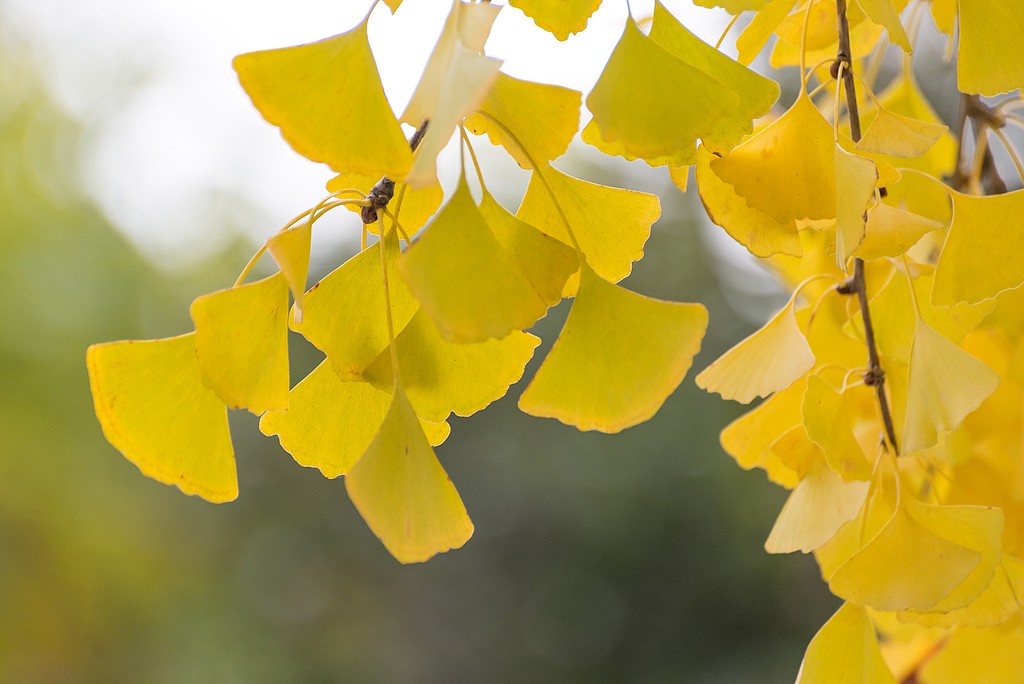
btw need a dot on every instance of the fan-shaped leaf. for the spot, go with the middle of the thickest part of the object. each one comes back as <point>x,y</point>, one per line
<point>444,377</point>
<point>619,356</point>
<point>649,105</point>
<point>754,93</point>
<point>755,230</point>
<point>984,250</point>
<point>946,384</point>
<point>855,186</point>
<point>345,312</point>
<point>771,359</point>
<point>921,555</point>
<point>611,224</point>
<point>815,511</point>
<point>290,249</point>
<point>518,105</point>
<point>329,423</point>
<point>153,407</point>
<point>561,18</point>
<point>454,84</point>
<point>786,170</point>
<point>242,344</point>
<point>845,651</point>
<point>403,493</point>
<point>327,99</point>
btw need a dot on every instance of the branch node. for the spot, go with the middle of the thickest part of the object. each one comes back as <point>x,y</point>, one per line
<point>874,377</point>
<point>843,61</point>
<point>384,190</point>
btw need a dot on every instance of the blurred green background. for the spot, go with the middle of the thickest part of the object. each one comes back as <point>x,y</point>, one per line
<point>633,557</point>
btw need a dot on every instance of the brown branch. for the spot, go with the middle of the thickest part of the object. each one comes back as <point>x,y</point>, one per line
<point>981,117</point>
<point>875,377</point>
<point>384,190</point>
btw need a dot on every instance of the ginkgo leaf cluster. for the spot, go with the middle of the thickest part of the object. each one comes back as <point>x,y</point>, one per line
<point>890,382</point>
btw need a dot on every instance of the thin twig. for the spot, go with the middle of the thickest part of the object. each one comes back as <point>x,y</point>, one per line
<point>384,190</point>
<point>982,118</point>
<point>875,376</point>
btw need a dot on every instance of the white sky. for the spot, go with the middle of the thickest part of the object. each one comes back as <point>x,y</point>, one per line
<point>172,135</point>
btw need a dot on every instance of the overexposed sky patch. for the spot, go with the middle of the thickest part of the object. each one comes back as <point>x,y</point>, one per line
<point>175,149</point>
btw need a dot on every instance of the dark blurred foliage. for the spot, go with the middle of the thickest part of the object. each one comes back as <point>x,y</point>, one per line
<point>633,557</point>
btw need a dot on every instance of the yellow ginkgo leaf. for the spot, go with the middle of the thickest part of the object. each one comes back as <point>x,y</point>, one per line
<point>516,104</point>
<point>984,250</point>
<point>919,558</point>
<point>904,97</point>
<point>945,384</point>
<point>755,230</point>
<point>619,356</point>
<point>900,136</point>
<point>611,224</point>
<point>886,174</point>
<point>825,331</point>
<point>815,511</point>
<point>327,99</point>
<point>345,312</point>
<point>733,6</point>
<point>796,451</point>
<point>455,82</point>
<point>464,279</point>
<point>952,322</point>
<point>468,25</point>
<point>786,170</point>
<point>546,262</point>
<point>989,60</point>
<point>883,13</point>
<point>680,175</point>
<point>444,377</point>
<point>650,105</point>
<point>290,249</point>
<point>890,232</point>
<point>845,651</point>
<point>749,438</point>
<point>855,186</point>
<point>851,537</point>
<point>976,656</point>
<point>822,36</point>
<point>944,15</point>
<point>329,422</point>
<point>753,38</point>
<point>895,320</point>
<point>393,5</point>
<point>153,407</point>
<point>998,603</point>
<point>827,419</point>
<point>242,344</point>
<point>754,93</point>
<point>415,209</point>
<point>561,18</point>
<point>995,582</point>
<point>821,24</point>
<point>771,359</point>
<point>403,493</point>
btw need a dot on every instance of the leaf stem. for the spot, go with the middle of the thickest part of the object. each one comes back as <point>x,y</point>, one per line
<point>540,175</point>
<point>875,376</point>
<point>472,155</point>
<point>726,31</point>
<point>387,303</point>
<point>983,169</point>
<point>310,215</point>
<point>1011,150</point>
<point>803,46</point>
